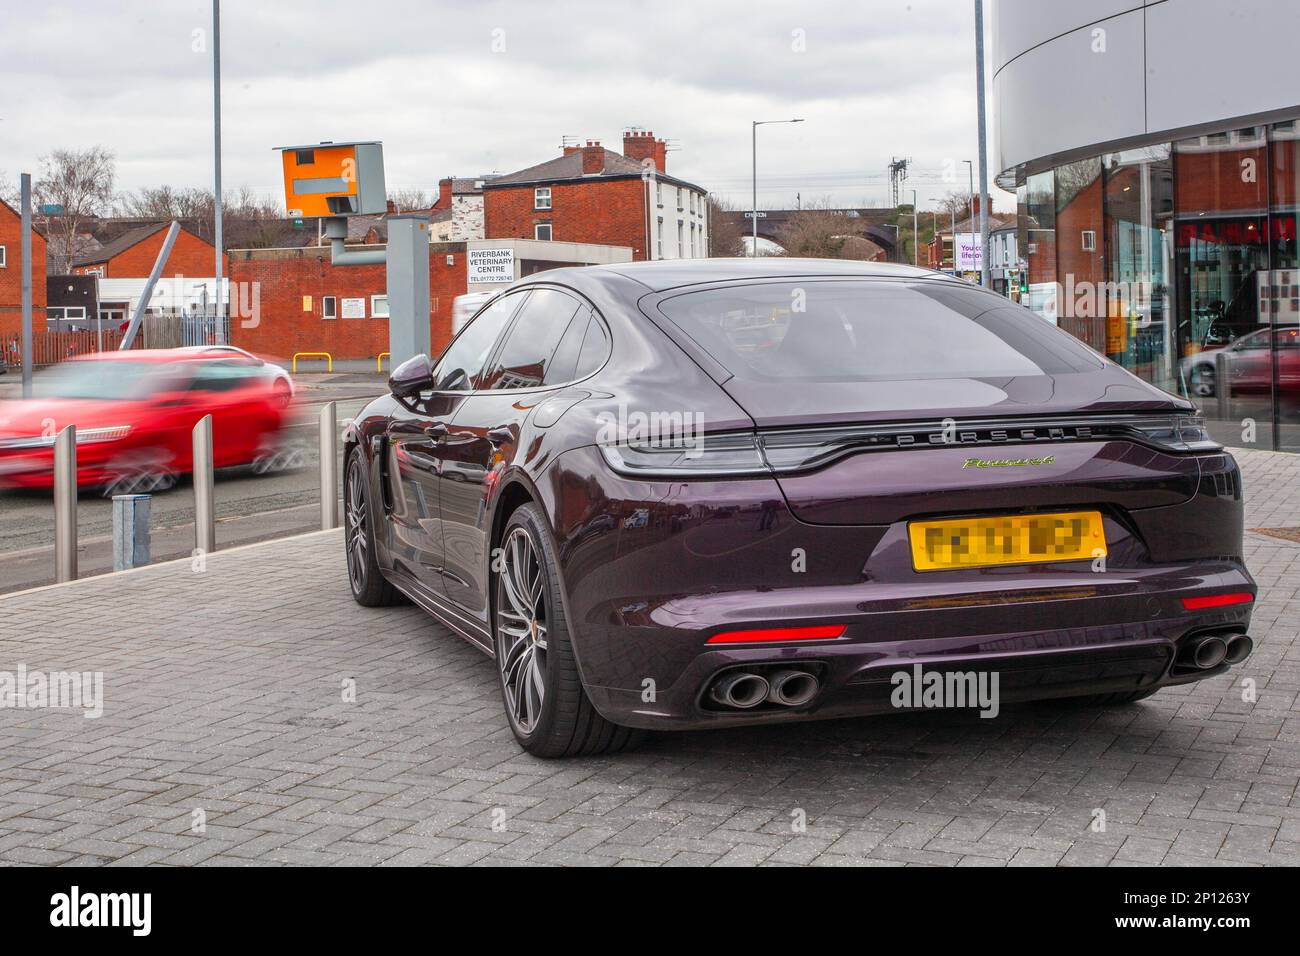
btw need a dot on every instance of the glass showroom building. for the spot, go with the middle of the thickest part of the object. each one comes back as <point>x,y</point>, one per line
<point>1154,149</point>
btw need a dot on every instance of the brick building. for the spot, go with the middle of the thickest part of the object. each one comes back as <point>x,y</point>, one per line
<point>11,314</point>
<point>132,255</point>
<point>590,194</point>
<point>123,264</point>
<point>304,304</point>
<point>458,211</point>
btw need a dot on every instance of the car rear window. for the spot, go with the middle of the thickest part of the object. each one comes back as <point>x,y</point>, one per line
<point>871,331</point>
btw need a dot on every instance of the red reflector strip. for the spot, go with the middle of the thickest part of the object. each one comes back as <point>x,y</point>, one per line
<point>820,632</point>
<point>1217,600</point>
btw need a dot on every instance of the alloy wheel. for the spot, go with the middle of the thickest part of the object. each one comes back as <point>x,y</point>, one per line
<point>522,630</point>
<point>355,521</point>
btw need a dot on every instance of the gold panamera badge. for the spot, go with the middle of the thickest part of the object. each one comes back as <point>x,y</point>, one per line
<point>1006,462</point>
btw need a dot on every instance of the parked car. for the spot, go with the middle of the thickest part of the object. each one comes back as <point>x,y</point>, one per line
<point>135,412</point>
<point>1249,361</point>
<point>913,473</point>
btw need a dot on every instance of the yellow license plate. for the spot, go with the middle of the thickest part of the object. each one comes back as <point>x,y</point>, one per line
<point>1007,539</point>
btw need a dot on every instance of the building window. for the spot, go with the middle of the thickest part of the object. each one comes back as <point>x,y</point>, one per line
<point>681,246</point>
<point>328,307</point>
<point>4,261</point>
<point>679,198</point>
<point>379,306</point>
<point>1089,240</point>
<point>659,194</point>
<point>659,239</point>
<point>542,230</point>
<point>542,197</point>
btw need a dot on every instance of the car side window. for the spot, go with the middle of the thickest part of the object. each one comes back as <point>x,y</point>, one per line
<point>524,359</point>
<point>565,361</point>
<point>466,355</point>
<point>595,349</point>
<point>221,376</point>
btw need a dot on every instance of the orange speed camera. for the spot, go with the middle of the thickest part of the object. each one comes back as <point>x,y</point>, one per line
<point>334,179</point>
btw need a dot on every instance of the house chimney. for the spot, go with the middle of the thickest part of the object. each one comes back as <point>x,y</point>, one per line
<point>593,158</point>
<point>570,150</point>
<point>444,194</point>
<point>640,145</point>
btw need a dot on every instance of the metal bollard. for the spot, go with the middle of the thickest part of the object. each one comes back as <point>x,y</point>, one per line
<point>329,480</point>
<point>65,504</point>
<point>205,523</point>
<point>1223,400</point>
<point>130,531</point>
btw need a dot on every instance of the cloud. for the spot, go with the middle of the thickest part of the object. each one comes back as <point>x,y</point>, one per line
<point>462,89</point>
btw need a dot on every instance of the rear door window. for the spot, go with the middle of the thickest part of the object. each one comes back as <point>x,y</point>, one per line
<point>524,359</point>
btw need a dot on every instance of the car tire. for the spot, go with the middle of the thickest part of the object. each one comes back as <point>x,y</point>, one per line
<point>369,586</point>
<point>545,701</point>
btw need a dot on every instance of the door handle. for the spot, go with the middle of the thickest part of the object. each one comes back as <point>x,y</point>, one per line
<point>500,435</point>
<point>436,431</point>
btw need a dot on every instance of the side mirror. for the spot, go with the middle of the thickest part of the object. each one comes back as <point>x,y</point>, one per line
<point>412,377</point>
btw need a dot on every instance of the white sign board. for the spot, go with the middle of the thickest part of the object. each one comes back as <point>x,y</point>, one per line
<point>490,265</point>
<point>969,252</point>
<point>353,308</point>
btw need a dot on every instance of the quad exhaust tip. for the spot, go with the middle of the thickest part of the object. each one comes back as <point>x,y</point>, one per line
<point>792,688</point>
<point>1239,648</point>
<point>741,689</point>
<point>1211,650</point>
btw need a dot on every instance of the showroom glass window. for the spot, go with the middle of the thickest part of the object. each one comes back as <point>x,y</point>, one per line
<point>1139,200</point>
<point>1283,288</point>
<point>1040,243</point>
<point>1221,268</point>
<point>1081,268</point>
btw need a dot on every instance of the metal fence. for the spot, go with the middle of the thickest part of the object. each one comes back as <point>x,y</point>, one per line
<point>64,340</point>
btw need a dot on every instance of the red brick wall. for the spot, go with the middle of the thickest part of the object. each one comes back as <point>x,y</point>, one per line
<point>190,256</point>
<point>610,211</point>
<point>286,275</point>
<point>11,276</point>
<point>1213,181</point>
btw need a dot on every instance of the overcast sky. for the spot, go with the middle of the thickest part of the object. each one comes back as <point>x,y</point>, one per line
<point>472,87</point>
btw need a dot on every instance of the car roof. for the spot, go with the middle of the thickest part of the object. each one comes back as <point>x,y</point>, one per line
<point>663,274</point>
<point>157,355</point>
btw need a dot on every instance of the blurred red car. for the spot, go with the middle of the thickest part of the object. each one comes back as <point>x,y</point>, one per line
<point>135,412</point>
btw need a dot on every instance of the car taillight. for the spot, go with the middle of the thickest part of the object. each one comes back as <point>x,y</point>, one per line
<point>701,455</point>
<point>1217,600</point>
<point>767,635</point>
<point>1175,433</point>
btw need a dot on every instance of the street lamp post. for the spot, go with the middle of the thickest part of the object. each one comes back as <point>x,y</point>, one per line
<point>753,246</point>
<point>916,234</point>
<point>217,239</point>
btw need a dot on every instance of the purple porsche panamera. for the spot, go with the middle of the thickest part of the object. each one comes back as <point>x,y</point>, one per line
<point>679,495</point>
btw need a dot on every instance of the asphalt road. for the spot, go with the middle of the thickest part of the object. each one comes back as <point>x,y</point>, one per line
<point>249,507</point>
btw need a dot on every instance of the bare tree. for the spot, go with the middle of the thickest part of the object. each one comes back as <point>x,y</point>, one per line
<point>9,189</point>
<point>80,181</point>
<point>249,221</point>
<point>726,238</point>
<point>407,199</point>
<point>955,205</point>
<point>822,232</point>
<point>164,202</point>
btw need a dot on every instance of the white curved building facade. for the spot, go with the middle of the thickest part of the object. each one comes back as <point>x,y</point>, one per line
<point>1154,148</point>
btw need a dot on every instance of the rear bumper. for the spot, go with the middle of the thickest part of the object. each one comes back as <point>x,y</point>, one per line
<point>675,563</point>
<point>1106,643</point>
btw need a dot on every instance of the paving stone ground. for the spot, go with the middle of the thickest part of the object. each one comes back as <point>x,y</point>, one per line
<point>223,696</point>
